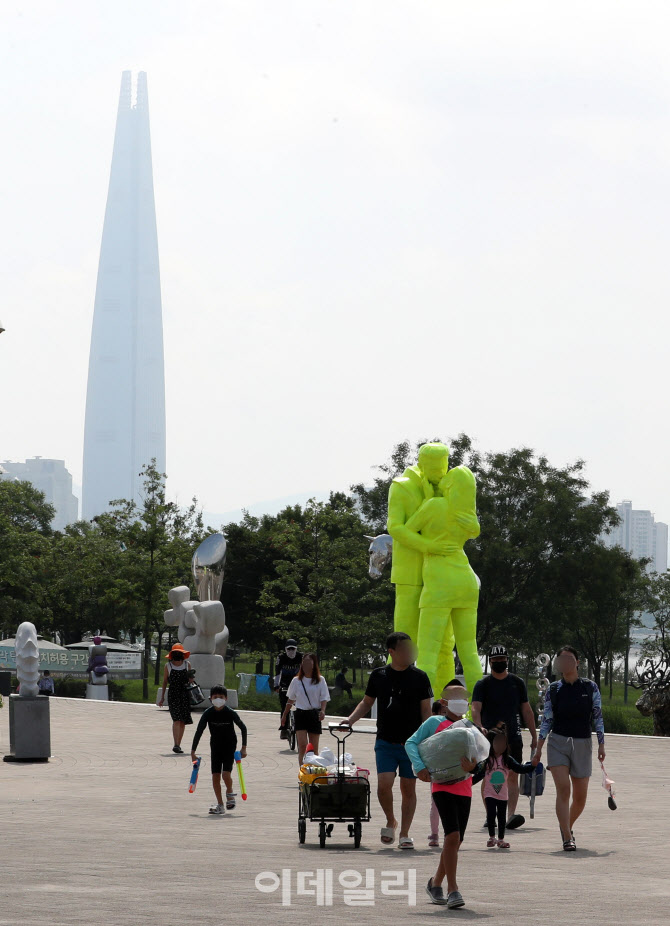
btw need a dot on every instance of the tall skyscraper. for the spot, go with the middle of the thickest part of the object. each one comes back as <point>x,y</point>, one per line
<point>52,478</point>
<point>125,401</point>
<point>640,534</point>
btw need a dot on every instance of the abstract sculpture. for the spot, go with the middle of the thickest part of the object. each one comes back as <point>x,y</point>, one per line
<point>201,625</point>
<point>98,669</point>
<point>27,660</point>
<point>29,724</point>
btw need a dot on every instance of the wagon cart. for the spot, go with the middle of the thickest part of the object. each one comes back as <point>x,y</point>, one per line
<point>339,798</point>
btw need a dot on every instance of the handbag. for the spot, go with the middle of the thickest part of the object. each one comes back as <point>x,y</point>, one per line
<point>315,711</point>
<point>195,694</point>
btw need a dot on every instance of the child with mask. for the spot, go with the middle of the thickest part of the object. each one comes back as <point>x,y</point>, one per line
<point>452,800</point>
<point>223,742</point>
<point>495,773</point>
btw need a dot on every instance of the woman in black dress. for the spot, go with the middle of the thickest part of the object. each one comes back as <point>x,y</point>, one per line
<point>179,702</point>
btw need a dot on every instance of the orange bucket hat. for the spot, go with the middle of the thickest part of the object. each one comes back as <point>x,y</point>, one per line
<point>178,648</point>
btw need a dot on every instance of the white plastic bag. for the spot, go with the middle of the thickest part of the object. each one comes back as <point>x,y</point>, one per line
<point>442,752</point>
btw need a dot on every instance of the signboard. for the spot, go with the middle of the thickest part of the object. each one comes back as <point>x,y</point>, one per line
<point>75,661</point>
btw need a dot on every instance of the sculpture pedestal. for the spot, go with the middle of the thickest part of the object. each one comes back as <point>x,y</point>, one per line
<point>29,729</point>
<point>209,671</point>
<point>97,693</point>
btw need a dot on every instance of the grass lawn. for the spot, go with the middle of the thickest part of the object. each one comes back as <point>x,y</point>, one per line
<point>619,716</point>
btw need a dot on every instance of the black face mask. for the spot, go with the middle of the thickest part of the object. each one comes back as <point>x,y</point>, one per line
<point>499,666</point>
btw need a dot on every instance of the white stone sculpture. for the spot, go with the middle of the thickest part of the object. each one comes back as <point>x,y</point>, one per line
<point>201,625</point>
<point>27,660</point>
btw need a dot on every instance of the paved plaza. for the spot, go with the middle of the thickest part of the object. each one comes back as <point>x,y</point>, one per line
<point>106,833</point>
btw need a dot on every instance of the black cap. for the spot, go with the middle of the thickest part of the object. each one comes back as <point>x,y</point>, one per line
<point>290,643</point>
<point>497,651</point>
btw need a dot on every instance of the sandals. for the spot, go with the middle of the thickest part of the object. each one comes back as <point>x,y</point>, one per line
<point>492,843</point>
<point>569,845</point>
<point>387,835</point>
<point>230,801</point>
<point>406,842</point>
<point>433,840</point>
<point>502,844</point>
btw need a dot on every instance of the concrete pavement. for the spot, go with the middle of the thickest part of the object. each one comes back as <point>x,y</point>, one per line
<point>107,833</point>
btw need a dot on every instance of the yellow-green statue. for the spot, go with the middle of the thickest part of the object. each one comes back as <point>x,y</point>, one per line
<point>432,512</point>
<point>406,495</point>
<point>450,587</point>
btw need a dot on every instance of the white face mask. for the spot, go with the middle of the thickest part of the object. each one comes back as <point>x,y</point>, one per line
<point>458,706</point>
<point>218,702</point>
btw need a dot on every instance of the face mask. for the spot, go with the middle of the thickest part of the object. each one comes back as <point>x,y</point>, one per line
<point>499,666</point>
<point>218,702</point>
<point>458,707</point>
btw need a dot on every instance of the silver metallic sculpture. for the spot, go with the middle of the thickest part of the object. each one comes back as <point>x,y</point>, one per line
<point>380,550</point>
<point>542,683</point>
<point>208,565</point>
<point>27,660</point>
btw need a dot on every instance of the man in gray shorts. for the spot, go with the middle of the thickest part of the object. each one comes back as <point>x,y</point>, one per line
<point>572,706</point>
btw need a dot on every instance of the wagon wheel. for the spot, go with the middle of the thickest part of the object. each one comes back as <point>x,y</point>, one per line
<point>358,829</point>
<point>322,834</point>
<point>302,830</point>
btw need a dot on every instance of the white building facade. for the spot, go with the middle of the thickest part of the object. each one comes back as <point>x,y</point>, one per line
<point>53,479</point>
<point>640,535</point>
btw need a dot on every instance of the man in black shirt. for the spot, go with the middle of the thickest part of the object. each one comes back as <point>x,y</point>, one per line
<point>404,699</point>
<point>502,698</point>
<point>286,667</point>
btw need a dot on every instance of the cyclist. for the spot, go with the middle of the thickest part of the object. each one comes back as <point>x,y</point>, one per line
<point>286,668</point>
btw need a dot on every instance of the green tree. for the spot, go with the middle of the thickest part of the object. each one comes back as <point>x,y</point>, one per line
<point>25,539</point>
<point>80,572</point>
<point>608,586</point>
<point>321,593</point>
<point>158,539</point>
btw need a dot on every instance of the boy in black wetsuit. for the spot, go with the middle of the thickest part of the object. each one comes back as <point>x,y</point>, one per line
<point>223,742</point>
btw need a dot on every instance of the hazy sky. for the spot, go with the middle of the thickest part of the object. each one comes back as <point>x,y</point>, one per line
<point>376,220</point>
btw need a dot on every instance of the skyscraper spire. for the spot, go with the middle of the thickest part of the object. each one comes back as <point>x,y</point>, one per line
<point>125,401</point>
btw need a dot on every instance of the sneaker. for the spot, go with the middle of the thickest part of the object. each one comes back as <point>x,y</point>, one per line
<point>455,899</point>
<point>230,801</point>
<point>433,839</point>
<point>436,894</point>
<point>492,842</point>
<point>217,809</point>
<point>177,749</point>
<point>283,735</point>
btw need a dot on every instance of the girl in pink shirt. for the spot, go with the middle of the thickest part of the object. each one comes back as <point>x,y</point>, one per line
<point>495,773</point>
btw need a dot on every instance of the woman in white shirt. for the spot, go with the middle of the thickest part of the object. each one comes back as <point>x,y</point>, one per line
<point>309,692</point>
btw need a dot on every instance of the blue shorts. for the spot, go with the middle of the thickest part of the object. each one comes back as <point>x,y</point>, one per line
<point>392,757</point>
